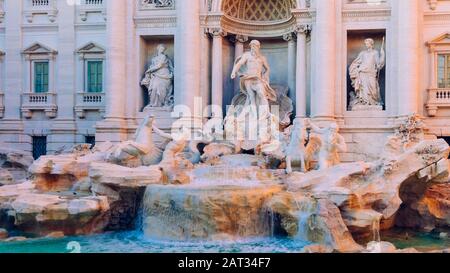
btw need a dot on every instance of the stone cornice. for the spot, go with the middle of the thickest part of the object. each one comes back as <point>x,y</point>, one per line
<point>211,19</point>
<point>436,16</point>
<point>366,15</point>
<point>303,14</point>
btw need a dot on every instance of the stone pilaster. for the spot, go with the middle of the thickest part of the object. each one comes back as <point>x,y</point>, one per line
<point>187,54</point>
<point>217,67</point>
<point>300,74</point>
<point>324,61</point>
<point>292,44</point>
<point>11,126</point>
<point>63,130</point>
<point>239,42</point>
<point>113,128</point>
<point>13,59</point>
<point>408,56</point>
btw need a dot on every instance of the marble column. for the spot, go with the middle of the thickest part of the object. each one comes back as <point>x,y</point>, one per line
<point>11,126</point>
<point>239,42</point>
<point>114,127</point>
<point>205,85</point>
<point>217,67</point>
<point>187,54</point>
<point>323,106</point>
<point>301,82</point>
<point>14,68</point>
<point>116,60</point>
<point>408,56</point>
<point>63,128</point>
<point>292,44</point>
<point>66,49</point>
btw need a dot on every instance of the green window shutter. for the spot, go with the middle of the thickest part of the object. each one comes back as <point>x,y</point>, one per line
<point>100,77</point>
<point>95,76</point>
<point>41,77</point>
<point>45,77</point>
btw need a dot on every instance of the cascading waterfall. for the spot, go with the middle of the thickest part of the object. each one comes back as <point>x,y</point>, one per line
<point>376,245</point>
<point>304,213</point>
<point>376,229</point>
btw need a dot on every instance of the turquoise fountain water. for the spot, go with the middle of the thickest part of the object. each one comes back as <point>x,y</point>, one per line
<point>134,242</point>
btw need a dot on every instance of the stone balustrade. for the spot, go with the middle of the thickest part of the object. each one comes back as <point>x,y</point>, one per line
<point>89,102</point>
<point>33,7</point>
<point>437,98</point>
<point>91,6</point>
<point>39,102</point>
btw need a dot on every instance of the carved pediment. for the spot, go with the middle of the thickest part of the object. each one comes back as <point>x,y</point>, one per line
<point>91,48</point>
<point>443,39</point>
<point>38,48</point>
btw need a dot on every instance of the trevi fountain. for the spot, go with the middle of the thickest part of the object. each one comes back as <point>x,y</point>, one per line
<point>254,181</point>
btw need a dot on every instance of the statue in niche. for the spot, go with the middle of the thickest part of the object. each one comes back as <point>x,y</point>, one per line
<point>250,110</point>
<point>332,143</point>
<point>159,80</point>
<point>365,75</point>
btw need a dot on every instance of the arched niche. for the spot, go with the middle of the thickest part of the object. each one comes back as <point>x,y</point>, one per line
<point>257,18</point>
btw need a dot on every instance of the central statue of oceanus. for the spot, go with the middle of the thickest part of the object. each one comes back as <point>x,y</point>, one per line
<point>250,120</point>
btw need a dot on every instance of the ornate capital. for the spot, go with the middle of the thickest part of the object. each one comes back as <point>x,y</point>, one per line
<point>289,37</point>
<point>304,29</point>
<point>215,32</point>
<point>433,4</point>
<point>241,39</point>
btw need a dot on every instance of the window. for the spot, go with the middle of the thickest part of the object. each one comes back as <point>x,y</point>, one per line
<point>41,77</point>
<point>39,146</point>
<point>444,70</point>
<point>95,76</point>
<point>90,140</point>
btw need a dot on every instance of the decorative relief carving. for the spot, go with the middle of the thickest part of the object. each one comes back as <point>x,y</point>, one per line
<point>303,29</point>
<point>241,38</point>
<point>158,22</point>
<point>433,4</point>
<point>289,37</point>
<point>366,15</point>
<point>157,4</point>
<point>255,10</point>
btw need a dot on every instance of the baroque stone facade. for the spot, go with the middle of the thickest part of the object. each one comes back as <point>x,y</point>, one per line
<point>70,71</point>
